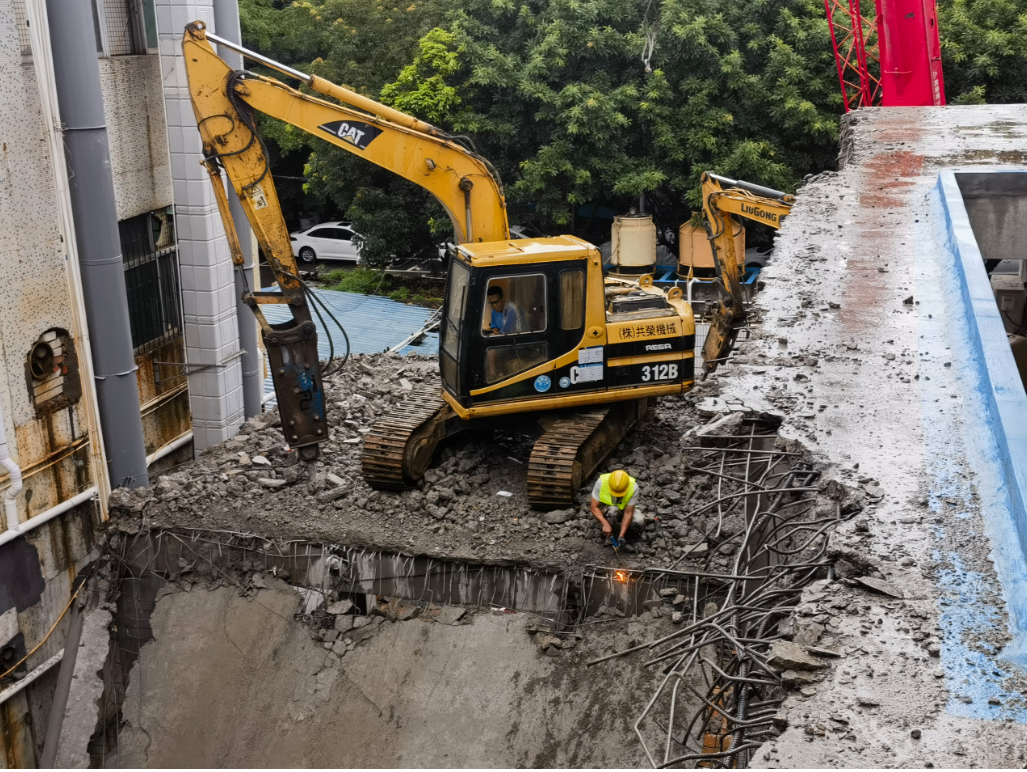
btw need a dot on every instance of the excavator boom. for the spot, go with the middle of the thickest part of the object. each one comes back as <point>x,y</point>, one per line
<point>463,182</point>
<point>224,101</point>
<point>725,199</point>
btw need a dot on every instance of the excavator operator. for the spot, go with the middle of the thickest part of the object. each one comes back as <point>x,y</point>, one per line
<point>618,492</point>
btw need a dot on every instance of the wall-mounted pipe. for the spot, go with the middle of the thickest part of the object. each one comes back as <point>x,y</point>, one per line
<point>38,24</point>
<point>11,494</point>
<point>91,187</point>
<point>50,514</point>
<point>171,447</point>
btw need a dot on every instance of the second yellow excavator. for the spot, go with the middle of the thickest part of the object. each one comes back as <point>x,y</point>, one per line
<point>533,335</point>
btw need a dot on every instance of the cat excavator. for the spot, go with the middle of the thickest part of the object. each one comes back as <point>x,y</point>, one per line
<point>533,337</point>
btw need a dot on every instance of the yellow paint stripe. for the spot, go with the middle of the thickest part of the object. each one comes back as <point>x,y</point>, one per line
<point>669,356</point>
<point>571,400</point>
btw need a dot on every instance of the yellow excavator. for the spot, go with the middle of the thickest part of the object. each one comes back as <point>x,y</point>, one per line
<point>533,335</point>
<point>723,200</point>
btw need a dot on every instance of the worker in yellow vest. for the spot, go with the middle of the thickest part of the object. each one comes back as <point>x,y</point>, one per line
<point>618,493</point>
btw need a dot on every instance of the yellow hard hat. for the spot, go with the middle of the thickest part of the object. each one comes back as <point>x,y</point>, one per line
<point>619,482</point>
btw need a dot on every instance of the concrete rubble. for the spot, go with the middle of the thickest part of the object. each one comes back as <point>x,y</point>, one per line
<point>252,484</point>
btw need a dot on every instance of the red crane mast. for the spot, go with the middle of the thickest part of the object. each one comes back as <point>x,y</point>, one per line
<point>894,61</point>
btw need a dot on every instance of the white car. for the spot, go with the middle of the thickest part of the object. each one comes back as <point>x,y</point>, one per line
<point>327,241</point>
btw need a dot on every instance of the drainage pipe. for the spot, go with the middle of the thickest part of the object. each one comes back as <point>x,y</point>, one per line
<point>50,514</point>
<point>38,24</point>
<point>171,447</point>
<point>11,494</point>
<point>42,670</point>
<point>226,22</point>
<point>91,188</point>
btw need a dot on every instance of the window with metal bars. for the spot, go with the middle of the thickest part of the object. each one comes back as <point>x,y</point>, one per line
<point>21,19</point>
<point>150,258</point>
<point>123,28</point>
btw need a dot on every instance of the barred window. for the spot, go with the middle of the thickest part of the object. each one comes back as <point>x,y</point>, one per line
<point>150,256</point>
<point>124,27</point>
<point>21,19</point>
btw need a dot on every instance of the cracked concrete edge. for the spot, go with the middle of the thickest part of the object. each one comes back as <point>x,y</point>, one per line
<point>928,525</point>
<point>82,711</point>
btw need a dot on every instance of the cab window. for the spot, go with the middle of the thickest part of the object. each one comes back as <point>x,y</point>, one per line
<point>502,362</point>
<point>514,305</point>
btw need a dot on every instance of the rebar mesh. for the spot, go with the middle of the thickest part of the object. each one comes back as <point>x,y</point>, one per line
<point>122,27</point>
<point>749,581</point>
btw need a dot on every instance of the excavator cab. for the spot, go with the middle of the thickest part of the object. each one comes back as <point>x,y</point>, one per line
<point>511,308</point>
<point>527,324</point>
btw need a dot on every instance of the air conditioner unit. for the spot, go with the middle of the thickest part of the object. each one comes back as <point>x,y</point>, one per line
<point>1011,298</point>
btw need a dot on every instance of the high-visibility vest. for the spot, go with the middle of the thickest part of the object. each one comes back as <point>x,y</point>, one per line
<point>606,495</point>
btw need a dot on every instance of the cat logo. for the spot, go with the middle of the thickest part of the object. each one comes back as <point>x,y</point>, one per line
<point>354,132</point>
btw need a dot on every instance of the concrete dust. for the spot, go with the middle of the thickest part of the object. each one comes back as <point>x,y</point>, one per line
<point>230,681</point>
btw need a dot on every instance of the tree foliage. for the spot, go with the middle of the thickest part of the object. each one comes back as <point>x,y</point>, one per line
<point>984,50</point>
<point>592,105</point>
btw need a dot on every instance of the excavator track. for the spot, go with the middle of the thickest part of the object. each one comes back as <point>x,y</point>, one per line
<point>571,448</point>
<point>554,470</point>
<point>398,449</point>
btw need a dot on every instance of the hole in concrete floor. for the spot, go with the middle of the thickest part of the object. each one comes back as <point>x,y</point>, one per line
<point>237,673</point>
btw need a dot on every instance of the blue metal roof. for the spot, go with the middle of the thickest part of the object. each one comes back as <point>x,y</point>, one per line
<point>373,323</point>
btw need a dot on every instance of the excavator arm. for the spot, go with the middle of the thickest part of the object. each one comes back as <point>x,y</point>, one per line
<point>224,101</point>
<point>724,200</point>
<point>463,182</point>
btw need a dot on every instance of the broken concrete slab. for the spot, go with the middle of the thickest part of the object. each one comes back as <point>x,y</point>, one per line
<point>560,516</point>
<point>788,655</point>
<point>82,711</point>
<point>339,607</point>
<point>880,586</point>
<point>450,615</point>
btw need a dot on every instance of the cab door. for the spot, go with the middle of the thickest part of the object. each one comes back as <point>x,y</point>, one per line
<point>527,316</point>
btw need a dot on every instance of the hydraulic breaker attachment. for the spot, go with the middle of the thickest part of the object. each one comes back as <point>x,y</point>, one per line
<point>293,359</point>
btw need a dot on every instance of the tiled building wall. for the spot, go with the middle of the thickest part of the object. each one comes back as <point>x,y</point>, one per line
<point>133,102</point>
<point>208,293</point>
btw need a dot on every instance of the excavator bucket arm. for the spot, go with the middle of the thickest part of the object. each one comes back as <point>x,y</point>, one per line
<point>224,101</point>
<point>230,142</point>
<point>724,200</point>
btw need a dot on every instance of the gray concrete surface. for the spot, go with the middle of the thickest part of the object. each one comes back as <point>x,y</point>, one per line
<point>230,681</point>
<point>848,360</point>
<point>82,711</point>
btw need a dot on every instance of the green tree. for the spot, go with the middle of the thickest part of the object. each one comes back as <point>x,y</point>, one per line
<point>363,44</point>
<point>984,50</point>
<point>560,95</point>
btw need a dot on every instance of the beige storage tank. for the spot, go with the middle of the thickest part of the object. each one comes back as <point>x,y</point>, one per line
<point>694,252</point>
<point>633,244</point>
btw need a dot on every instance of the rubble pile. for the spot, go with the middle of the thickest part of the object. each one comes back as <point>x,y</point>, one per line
<point>472,503</point>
